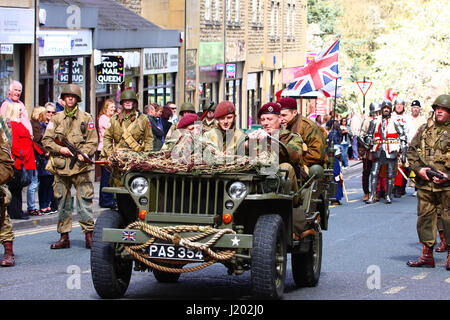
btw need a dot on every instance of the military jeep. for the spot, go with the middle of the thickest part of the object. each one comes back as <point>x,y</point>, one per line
<point>168,222</point>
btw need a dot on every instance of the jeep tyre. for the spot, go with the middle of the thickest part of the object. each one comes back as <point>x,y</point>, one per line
<point>306,266</point>
<point>268,262</point>
<point>110,274</point>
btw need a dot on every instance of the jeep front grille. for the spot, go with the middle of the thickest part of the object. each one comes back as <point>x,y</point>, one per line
<point>186,195</point>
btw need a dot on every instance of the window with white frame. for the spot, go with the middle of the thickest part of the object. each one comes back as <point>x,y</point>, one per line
<point>260,14</point>
<point>288,20</point>
<point>207,10</point>
<point>236,9</point>
<point>278,19</point>
<point>254,10</point>
<point>216,11</point>
<point>272,18</point>
<point>228,10</point>
<point>293,21</point>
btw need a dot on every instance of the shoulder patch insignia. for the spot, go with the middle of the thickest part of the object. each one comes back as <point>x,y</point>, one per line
<point>91,125</point>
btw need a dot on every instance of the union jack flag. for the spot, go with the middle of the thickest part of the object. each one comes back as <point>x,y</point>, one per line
<point>128,235</point>
<point>319,72</point>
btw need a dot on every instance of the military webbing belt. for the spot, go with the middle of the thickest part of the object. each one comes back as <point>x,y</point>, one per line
<point>131,142</point>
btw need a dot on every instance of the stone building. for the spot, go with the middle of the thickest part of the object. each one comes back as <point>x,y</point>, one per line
<point>246,60</point>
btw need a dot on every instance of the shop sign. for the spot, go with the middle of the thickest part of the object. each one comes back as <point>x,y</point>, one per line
<point>110,71</point>
<point>16,25</point>
<point>64,43</point>
<point>160,60</point>
<point>6,49</point>
<point>231,70</point>
<point>210,53</point>
<point>77,71</point>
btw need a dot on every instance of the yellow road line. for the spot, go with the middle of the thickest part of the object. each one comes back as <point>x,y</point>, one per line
<point>420,276</point>
<point>394,290</point>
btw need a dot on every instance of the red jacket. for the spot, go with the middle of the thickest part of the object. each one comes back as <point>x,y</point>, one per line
<point>21,141</point>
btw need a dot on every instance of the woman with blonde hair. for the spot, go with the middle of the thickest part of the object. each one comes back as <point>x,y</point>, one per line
<point>106,200</point>
<point>22,152</point>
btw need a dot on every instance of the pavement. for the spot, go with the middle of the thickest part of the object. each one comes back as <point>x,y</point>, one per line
<point>52,219</point>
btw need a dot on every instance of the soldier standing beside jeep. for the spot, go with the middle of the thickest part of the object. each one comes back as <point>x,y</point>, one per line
<point>430,151</point>
<point>130,130</point>
<point>78,127</point>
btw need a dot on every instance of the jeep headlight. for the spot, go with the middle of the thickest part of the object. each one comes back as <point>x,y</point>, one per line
<point>139,185</point>
<point>237,190</point>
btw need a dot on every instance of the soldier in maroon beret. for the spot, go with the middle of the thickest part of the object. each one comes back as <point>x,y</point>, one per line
<point>269,116</point>
<point>315,143</point>
<point>225,136</point>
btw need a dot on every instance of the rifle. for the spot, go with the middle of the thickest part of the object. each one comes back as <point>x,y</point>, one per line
<point>75,151</point>
<point>434,173</point>
<point>211,104</point>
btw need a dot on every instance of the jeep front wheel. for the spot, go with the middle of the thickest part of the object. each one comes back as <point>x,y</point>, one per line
<point>268,262</point>
<point>110,273</point>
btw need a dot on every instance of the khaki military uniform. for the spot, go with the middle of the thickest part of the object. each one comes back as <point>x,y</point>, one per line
<point>315,151</point>
<point>226,141</point>
<point>133,132</point>
<point>208,125</point>
<point>6,172</point>
<point>80,131</point>
<point>431,146</point>
<point>293,162</point>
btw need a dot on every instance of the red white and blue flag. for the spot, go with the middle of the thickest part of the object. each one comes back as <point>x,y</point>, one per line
<point>128,235</point>
<point>318,73</point>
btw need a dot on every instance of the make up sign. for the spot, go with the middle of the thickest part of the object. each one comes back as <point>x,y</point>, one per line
<point>110,70</point>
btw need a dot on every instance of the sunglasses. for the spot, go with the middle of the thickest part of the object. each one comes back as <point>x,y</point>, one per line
<point>52,112</point>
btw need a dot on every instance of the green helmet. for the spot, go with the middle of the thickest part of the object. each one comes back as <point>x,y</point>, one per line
<point>71,89</point>
<point>187,106</point>
<point>128,95</point>
<point>442,101</point>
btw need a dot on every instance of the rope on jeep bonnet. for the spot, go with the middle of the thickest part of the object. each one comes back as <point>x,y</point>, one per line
<point>172,234</point>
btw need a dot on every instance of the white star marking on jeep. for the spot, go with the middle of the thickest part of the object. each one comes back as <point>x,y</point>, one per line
<point>235,241</point>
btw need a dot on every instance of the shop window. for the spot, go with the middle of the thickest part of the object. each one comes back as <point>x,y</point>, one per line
<point>159,88</point>
<point>6,74</point>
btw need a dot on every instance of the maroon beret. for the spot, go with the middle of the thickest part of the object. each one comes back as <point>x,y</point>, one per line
<point>224,108</point>
<point>288,103</point>
<point>269,108</point>
<point>186,120</point>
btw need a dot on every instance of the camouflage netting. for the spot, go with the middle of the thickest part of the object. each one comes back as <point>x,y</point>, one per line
<point>205,158</point>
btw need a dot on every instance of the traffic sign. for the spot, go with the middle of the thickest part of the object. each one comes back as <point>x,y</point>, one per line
<point>364,86</point>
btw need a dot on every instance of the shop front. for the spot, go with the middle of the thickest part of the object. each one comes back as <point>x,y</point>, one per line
<point>64,57</point>
<point>254,96</point>
<point>210,72</point>
<point>16,39</point>
<point>160,74</point>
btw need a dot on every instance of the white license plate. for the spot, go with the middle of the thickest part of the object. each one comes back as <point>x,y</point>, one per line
<point>172,252</point>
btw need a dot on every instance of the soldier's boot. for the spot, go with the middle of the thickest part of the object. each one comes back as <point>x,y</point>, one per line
<point>8,259</point>
<point>389,187</point>
<point>88,237</point>
<point>442,245</point>
<point>426,260</point>
<point>62,243</point>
